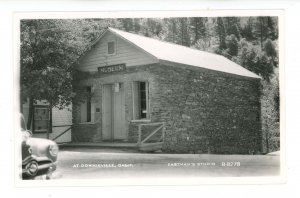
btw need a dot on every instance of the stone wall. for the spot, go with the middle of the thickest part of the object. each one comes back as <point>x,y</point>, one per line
<point>204,111</point>
<point>85,133</point>
<point>97,80</point>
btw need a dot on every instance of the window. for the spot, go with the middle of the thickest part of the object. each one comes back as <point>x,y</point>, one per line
<point>41,119</point>
<point>111,48</point>
<point>140,100</point>
<point>86,107</point>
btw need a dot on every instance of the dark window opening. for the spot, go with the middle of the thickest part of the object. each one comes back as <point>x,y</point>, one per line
<point>111,47</point>
<point>143,100</point>
<point>88,104</point>
<point>140,100</point>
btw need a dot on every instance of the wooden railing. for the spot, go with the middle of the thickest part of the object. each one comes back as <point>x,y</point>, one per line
<point>65,131</point>
<point>146,142</point>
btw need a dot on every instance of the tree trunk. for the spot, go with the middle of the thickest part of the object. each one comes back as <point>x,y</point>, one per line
<point>30,113</point>
<point>173,30</point>
<point>196,30</point>
<point>261,32</point>
<point>182,32</point>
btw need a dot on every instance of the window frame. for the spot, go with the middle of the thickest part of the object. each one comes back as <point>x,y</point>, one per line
<point>135,117</point>
<point>34,119</point>
<point>115,47</point>
<point>88,108</point>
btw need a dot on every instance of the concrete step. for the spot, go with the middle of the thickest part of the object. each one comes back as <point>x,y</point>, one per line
<point>99,145</point>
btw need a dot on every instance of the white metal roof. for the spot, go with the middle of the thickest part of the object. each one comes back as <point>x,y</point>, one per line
<point>184,55</point>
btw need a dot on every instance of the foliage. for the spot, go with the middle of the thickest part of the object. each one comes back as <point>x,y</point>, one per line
<point>270,115</point>
<point>232,25</point>
<point>220,30</point>
<point>253,58</point>
<point>49,49</point>
<point>232,44</point>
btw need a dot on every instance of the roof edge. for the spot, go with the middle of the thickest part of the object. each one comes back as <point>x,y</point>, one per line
<point>167,62</point>
<point>133,44</point>
<point>253,75</point>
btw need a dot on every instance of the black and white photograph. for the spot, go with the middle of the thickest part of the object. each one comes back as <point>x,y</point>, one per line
<point>149,97</point>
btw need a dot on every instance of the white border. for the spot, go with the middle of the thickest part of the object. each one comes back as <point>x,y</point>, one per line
<point>292,95</point>
<point>146,14</point>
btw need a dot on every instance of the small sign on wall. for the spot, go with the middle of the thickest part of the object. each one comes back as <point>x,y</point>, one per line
<point>117,87</point>
<point>112,68</point>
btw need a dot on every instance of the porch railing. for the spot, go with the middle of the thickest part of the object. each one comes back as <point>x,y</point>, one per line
<point>153,139</point>
<point>65,131</point>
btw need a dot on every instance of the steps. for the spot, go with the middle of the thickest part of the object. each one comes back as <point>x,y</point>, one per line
<point>99,145</point>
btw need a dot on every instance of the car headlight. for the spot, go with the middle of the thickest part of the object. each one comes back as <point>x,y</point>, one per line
<point>30,150</point>
<point>53,149</point>
<point>32,168</point>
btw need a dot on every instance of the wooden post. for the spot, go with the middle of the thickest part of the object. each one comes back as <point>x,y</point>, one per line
<point>163,132</point>
<point>50,121</point>
<point>140,134</point>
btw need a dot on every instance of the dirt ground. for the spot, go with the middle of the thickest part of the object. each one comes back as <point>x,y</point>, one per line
<point>95,163</point>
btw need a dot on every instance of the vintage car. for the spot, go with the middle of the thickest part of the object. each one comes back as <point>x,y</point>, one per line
<point>39,156</point>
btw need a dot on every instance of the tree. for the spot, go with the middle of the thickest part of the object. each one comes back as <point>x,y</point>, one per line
<point>154,27</point>
<point>264,28</point>
<point>137,26</point>
<point>272,27</point>
<point>221,33</point>
<point>48,50</point>
<point>128,24</point>
<point>184,32</point>
<point>270,113</point>
<point>170,30</point>
<point>254,59</point>
<point>232,44</point>
<point>271,51</point>
<point>199,29</point>
<point>232,25</point>
<point>247,29</point>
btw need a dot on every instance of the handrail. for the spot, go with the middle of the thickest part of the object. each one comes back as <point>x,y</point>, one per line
<point>149,136</point>
<point>62,133</point>
<point>151,124</point>
<point>140,141</point>
<point>62,125</point>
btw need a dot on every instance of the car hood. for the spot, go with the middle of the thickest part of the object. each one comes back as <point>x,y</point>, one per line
<point>40,147</point>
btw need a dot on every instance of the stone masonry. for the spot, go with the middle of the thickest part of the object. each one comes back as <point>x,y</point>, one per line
<point>204,111</point>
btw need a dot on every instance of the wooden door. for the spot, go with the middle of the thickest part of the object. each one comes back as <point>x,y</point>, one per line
<point>113,121</point>
<point>107,113</point>
<point>119,132</point>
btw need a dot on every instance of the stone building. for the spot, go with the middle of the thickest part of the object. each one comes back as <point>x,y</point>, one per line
<point>157,95</point>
